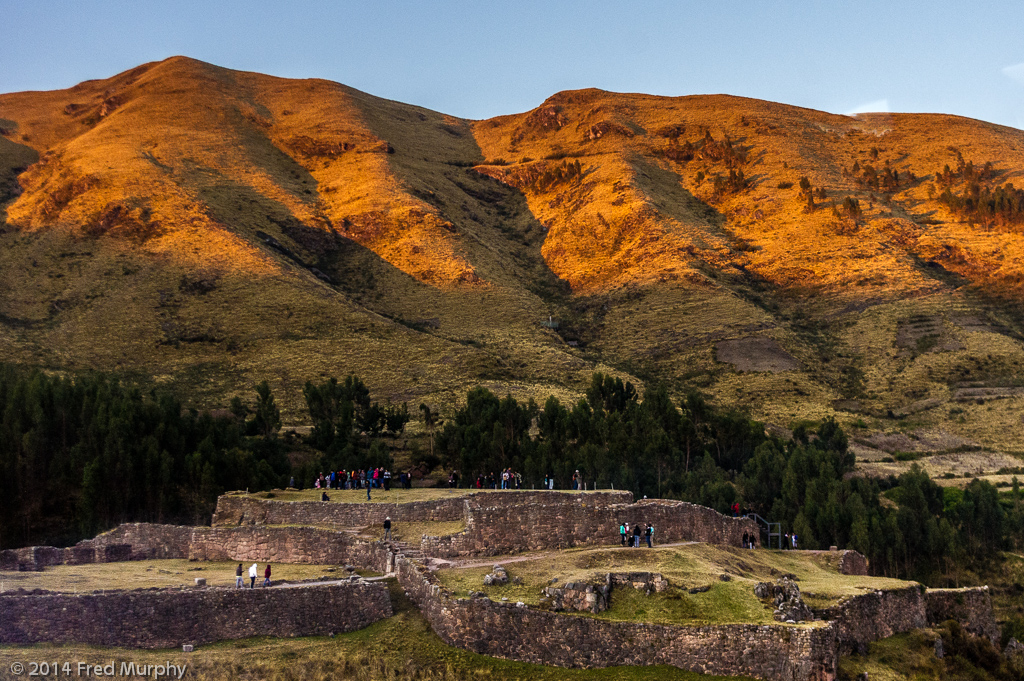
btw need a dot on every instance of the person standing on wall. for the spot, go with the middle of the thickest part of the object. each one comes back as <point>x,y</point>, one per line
<point>622,535</point>
<point>266,576</point>
<point>387,528</point>
<point>238,577</point>
<point>252,576</point>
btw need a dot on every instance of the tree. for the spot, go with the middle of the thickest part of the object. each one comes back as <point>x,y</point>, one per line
<point>266,417</point>
<point>431,421</point>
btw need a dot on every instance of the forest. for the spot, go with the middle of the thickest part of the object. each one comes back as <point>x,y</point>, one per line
<point>81,454</point>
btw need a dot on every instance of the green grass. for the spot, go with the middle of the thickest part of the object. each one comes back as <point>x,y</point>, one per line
<point>414,531</point>
<point>154,573</point>
<point>696,565</point>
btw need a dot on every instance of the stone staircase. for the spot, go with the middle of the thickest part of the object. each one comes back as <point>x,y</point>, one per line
<point>413,552</point>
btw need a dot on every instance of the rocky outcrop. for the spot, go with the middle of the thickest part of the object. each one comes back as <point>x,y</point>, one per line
<point>972,607</point>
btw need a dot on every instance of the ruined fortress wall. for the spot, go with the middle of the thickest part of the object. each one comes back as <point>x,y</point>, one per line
<point>148,541</point>
<point>141,541</point>
<point>853,563</point>
<point>877,615</point>
<point>572,520</point>
<point>235,509</point>
<point>972,607</point>
<point>305,545</point>
<point>777,652</point>
<point>170,618</point>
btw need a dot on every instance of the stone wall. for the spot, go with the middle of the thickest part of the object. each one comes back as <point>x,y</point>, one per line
<point>149,541</point>
<point>578,597</point>
<point>237,509</point>
<point>303,545</point>
<point>972,607</point>
<point>36,558</point>
<point>877,615</point>
<point>169,618</point>
<point>549,521</point>
<point>233,510</point>
<point>778,652</point>
<point>141,541</point>
<point>595,598</point>
<point>853,563</point>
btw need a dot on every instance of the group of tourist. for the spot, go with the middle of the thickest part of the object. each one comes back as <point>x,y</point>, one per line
<point>239,584</point>
<point>633,538</point>
<point>508,479</point>
<point>749,540</point>
<point>371,478</point>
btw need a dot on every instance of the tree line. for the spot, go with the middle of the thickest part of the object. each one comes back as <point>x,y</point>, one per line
<point>82,454</point>
<point>908,526</point>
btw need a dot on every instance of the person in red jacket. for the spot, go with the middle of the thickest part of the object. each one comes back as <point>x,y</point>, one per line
<point>266,576</point>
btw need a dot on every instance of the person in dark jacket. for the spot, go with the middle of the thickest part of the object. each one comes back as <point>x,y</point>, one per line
<point>387,528</point>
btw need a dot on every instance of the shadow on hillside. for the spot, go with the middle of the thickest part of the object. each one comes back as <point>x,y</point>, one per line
<point>434,159</point>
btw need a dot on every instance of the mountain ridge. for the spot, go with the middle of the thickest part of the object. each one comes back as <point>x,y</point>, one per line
<point>209,228</point>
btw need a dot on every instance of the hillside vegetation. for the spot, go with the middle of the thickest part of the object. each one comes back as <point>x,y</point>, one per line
<point>207,229</point>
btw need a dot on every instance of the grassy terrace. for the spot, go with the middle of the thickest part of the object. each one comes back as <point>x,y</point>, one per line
<point>694,565</point>
<point>379,496</point>
<point>154,573</point>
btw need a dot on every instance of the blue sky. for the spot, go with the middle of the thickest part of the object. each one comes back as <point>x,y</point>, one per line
<point>481,59</point>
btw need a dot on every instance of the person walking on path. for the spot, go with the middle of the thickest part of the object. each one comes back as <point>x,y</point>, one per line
<point>387,528</point>
<point>252,576</point>
<point>238,577</point>
<point>266,576</point>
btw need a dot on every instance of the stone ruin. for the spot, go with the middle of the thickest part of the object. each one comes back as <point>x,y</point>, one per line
<point>785,597</point>
<point>249,529</point>
<point>595,598</point>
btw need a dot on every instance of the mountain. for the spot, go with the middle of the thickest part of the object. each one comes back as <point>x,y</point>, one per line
<point>207,228</point>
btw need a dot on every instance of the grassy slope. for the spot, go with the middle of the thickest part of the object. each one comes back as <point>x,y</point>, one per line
<point>133,246</point>
<point>686,567</point>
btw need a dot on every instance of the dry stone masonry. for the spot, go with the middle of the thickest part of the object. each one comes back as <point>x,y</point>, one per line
<point>248,529</point>
<point>560,520</point>
<point>165,618</point>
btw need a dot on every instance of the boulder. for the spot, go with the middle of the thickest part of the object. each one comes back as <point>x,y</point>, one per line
<point>497,577</point>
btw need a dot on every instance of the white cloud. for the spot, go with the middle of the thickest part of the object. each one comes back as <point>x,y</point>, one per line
<point>878,106</point>
<point>1016,72</point>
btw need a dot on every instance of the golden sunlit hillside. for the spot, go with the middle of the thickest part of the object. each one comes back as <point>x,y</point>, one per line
<point>208,228</point>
